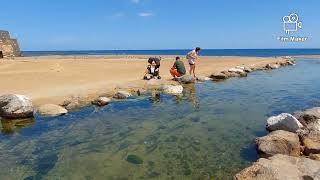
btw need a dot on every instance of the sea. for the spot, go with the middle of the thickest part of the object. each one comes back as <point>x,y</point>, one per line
<point>204,52</point>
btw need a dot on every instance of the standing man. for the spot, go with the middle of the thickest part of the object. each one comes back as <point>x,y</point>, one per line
<point>192,56</point>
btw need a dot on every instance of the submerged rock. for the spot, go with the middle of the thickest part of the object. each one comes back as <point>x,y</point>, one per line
<point>14,106</point>
<point>122,95</point>
<point>134,159</point>
<point>285,122</point>
<point>281,167</point>
<point>279,142</point>
<point>219,76</point>
<point>51,110</point>
<point>187,79</point>
<point>101,101</point>
<point>203,78</point>
<point>171,89</point>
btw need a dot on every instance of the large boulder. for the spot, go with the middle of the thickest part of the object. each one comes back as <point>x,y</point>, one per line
<point>310,118</point>
<point>285,122</point>
<point>281,167</point>
<point>311,143</point>
<point>187,79</point>
<point>279,142</point>
<point>219,76</point>
<point>51,110</point>
<point>171,89</point>
<point>14,106</point>
<point>122,95</point>
<point>101,101</point>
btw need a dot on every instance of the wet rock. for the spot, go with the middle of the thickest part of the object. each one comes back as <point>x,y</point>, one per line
<point>134,159</point>
<point>171,89</point>
<point>244,74</point>
<point>248,70</point>
<point>14,106</point>
<point>51,110</point>
<point>272,66</point>
<point>291,62</point>
<point>122,95</point>
<point>311,143</point>
<point>231,74</point>
<point>203,78</point>
<point>236,70</point>
<point>279,142</point>
<point>281,167</point>
<point>219,76</point>
<point>186,79</point>
<point>101,101</point>
<point>285,122</point>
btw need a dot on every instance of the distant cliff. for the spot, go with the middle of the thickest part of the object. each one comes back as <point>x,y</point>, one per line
<point>8,47</point>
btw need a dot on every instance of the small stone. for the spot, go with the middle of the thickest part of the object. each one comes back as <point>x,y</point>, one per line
<point>101,101</point>
<point>236,70</point>
<point>52,110</point>
<point>122,95</point>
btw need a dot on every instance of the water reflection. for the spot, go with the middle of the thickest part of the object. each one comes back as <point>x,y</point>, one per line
<point>10,126</point>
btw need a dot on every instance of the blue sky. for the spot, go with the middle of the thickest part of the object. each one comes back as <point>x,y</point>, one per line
<point>156,24</point>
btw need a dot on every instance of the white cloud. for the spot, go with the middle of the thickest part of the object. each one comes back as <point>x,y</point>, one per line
<point>145,14</point>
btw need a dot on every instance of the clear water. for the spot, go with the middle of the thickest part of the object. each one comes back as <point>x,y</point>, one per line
<point>207,133</point>
<point>204,52</point>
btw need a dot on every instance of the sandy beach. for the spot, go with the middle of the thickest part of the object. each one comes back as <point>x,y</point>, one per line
<point>53,79</point>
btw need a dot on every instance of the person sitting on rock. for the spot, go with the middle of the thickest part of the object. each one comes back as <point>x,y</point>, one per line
<point>178,69</point>
<point>153,68</point>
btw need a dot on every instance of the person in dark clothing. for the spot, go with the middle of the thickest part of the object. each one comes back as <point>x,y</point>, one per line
<point>178,69</point>
<point>153,69</point>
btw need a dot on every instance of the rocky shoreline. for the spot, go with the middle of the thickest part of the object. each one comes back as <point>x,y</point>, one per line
<point>290,151</point>
<point>13,106</point>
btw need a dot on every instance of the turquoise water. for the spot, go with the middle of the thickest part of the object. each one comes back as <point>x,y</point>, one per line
<point>206,134</point>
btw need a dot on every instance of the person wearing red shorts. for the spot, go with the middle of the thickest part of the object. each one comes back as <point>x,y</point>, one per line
<point>178,69</point>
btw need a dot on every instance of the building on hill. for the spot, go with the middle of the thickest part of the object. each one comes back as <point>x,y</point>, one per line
<point>8,47</point>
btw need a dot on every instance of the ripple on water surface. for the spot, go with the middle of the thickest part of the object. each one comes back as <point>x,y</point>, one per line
<point>207,133</point>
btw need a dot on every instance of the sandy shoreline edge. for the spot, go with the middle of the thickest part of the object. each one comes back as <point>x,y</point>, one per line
<point>54,79</point>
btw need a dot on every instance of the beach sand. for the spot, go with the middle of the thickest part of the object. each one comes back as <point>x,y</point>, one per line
<point>57,78</point>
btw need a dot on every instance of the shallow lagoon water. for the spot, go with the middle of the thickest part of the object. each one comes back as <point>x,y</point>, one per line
<point>207,133</point>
